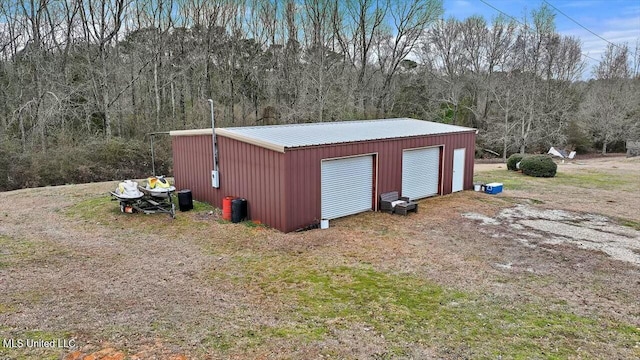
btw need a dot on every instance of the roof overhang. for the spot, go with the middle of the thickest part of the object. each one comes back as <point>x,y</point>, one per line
<point>190,132</point>
<point>250,140</point>
<point>231,135</point>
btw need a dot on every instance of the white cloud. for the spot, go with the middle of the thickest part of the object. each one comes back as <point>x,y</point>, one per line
<point>614,29</point>
<point>629,22</point>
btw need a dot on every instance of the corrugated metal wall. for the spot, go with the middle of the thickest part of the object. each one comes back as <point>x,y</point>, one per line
<point>192,166</point>
<point>302,168</point>
<point>283,190</point>
<point>246,170</point>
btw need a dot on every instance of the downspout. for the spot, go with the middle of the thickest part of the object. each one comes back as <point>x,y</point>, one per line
<point>153,157</point>
<point>215,178</point>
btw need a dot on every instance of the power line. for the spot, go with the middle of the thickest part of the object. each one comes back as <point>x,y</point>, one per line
<point>523,24</point>
<point>582,26</point>
<point>502,12</point>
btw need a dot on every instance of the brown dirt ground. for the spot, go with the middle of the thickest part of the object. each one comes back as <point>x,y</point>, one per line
<point>151,278</point>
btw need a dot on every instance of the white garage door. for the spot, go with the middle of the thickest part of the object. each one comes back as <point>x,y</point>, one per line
<point>420,172</point>
<point>347,186</point>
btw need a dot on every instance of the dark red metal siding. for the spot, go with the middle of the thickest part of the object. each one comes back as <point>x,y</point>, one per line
<point>254,173</point>
<point>192,166</point>
<point>283,190</point>
<point>302,169</point>
<point>246,170</point>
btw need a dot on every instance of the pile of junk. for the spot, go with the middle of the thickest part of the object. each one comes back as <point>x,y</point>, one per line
<point>153,197</point>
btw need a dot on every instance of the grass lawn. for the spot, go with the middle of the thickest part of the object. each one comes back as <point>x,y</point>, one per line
<point>432,284</point>
<point>515,180</point>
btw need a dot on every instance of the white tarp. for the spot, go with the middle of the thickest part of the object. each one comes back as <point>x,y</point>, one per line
<point>561,153</point>
<point>555,152</point>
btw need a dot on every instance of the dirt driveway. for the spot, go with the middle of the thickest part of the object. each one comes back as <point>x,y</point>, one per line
<point>549,268</point>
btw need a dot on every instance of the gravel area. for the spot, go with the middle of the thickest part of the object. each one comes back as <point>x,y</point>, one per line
<point>587,231</point>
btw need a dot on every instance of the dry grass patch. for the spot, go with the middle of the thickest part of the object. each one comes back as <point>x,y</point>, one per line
<point>429,285</point>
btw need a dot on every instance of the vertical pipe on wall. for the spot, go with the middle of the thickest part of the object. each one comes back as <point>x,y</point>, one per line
<point>153,158</point>
<point>213,138</point>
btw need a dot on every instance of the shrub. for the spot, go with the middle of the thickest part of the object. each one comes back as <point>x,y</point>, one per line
<point>539,166</point>
<point>94,160</point>
<point>513,160</point>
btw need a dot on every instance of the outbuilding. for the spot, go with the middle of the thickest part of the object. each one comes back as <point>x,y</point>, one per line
<point>295,175</point>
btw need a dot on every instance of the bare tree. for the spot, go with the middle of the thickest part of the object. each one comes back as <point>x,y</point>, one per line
<point>80,71</point>
<point>486,50</point>
<point>102,21</point>
<point>547,63</point>
<point>366,18</point>
<point>444,55</point>
<point>610,98</point>
<point>320,63</point>
<point>410,21</point>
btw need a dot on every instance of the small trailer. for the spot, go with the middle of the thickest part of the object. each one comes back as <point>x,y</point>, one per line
<point>146,200</point>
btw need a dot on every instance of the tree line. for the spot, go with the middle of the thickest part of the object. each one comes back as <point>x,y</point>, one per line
<point>84,82</point>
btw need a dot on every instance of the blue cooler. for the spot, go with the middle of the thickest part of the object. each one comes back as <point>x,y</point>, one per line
<point>493,188</point>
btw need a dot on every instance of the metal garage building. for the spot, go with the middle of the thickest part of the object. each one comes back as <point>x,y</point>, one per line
<point>296,175</point>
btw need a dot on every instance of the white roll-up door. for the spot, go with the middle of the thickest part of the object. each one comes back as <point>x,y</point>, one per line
<point>420,172</point>
<point>347,186</point>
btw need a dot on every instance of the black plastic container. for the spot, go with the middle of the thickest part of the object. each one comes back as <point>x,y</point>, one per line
<point>238,210</point>
<point>185,200</point>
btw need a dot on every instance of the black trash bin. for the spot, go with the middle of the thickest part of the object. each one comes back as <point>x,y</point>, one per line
<point>238,210</point>
<point>185,200</point>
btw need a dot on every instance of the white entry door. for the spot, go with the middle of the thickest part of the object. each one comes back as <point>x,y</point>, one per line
<point>457,182</point>
<point>347,186</point>
<point>420,172</point>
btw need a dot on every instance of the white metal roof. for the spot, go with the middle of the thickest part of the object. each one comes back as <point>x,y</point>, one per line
<point>279,137</point>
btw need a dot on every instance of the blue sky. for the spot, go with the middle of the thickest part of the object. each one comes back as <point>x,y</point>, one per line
<point>615,20</point>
